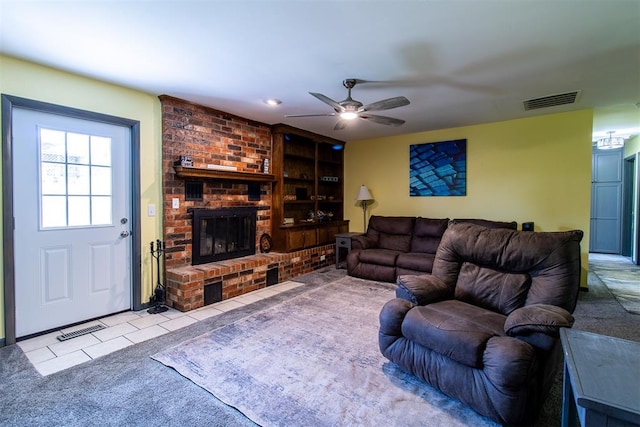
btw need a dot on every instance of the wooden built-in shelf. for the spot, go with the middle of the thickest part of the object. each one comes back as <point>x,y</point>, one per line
<point>202,173</point>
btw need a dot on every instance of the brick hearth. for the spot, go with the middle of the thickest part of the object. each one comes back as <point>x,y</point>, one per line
<point>213,137</point>
<point>185,285</point>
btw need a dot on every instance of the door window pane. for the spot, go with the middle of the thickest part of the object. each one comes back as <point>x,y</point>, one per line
<point>52,145</point>
<point>78,148</point>
<point>100,151</point>
<point>75,179</point>
<point>101,210</point>
<point>79,210</point>
<point>54,178</point>
<point>55,208</point>
<point>100,180</point>
<point>78,180</point>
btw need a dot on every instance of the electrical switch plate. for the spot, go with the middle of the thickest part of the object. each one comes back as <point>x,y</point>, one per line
<point>151,210</point>
<point>175,203</point>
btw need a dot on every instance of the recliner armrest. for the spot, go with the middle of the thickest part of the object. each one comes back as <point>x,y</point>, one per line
<point>422,289</point>
<point>391,318</point>
<point>538,324</point>
<point>362,242</point>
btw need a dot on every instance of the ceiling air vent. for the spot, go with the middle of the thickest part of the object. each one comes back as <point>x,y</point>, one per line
<point>551,100</point>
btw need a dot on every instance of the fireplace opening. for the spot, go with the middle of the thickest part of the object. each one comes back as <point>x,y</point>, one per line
<point>220,234</point>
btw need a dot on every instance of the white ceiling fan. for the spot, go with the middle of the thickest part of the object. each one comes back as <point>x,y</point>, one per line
<point>350,109</point>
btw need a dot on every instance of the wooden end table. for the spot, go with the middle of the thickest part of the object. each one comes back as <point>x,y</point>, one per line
<point>601,380</point>
<point>343,240</point>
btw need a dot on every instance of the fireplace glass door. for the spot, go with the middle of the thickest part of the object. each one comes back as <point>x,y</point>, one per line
<point>221,234</point>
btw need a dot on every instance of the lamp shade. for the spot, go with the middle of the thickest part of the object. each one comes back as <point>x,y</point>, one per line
<point>364,194</point>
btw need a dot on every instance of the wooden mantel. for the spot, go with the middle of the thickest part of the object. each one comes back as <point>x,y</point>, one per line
<point>202,173</point>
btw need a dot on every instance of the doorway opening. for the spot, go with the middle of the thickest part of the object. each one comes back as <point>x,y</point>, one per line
<point>630,209</point>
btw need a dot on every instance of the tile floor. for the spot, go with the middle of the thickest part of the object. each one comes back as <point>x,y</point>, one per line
<point>49,355</point>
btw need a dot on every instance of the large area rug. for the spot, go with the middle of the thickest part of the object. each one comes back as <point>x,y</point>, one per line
<point>313,360</point>
<point>621,277</point>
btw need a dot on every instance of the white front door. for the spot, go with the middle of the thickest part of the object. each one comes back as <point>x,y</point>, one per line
<point>72,193</point>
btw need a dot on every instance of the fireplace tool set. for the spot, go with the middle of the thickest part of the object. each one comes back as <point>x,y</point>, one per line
<point>159,294</point>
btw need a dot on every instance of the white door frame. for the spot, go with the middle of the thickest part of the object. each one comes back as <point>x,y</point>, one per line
<point>8,104</point>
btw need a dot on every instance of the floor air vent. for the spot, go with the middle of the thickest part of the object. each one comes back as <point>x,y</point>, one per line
<point>79,332</point>
<point>551,100</point>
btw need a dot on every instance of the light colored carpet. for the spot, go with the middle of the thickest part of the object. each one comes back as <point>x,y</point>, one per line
<point>314,360</point>
<point>621,277</point>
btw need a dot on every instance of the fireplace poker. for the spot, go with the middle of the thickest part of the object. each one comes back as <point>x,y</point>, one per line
<point>159,292</point>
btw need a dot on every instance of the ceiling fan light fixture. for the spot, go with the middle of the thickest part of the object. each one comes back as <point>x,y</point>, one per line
<point>273,102</point>
<point>348,115</point>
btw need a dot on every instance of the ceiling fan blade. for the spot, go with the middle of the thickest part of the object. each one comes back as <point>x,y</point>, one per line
<point>383,120</point>
<point>385,104</point>
<point>336,106</point>
<point>310,115</point>
<point>341,124</point>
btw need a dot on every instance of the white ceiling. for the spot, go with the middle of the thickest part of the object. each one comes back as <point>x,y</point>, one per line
<point>459,62</point>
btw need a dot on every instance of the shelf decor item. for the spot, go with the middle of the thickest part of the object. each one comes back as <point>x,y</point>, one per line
<point>266,243</point>
<point>186,161</point>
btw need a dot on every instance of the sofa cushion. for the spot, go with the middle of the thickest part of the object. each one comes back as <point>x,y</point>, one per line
<point>427,233</point>
<point>394,242</point>
<point>511,225</point>
<point>391,232</point>
<point>416,261</point>
<point>492,289</point>
<point>454,329</point>
<point>379,256</point>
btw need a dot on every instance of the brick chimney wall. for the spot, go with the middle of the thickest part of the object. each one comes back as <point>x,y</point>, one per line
<point>209,137</point>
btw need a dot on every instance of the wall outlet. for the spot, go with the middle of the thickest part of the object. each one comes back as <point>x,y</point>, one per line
<point>175,203</point>
<point>151,210</point>
<point>323,257</point>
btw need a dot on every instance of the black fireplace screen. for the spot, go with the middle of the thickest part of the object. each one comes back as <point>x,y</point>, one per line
<point>220,234</point>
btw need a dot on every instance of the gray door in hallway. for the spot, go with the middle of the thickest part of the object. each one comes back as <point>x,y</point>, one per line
<point>606,202</point>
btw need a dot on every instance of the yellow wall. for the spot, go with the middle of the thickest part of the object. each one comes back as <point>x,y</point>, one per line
<point>632,146</point>
<point>535,169</point>
<point>27,80</point>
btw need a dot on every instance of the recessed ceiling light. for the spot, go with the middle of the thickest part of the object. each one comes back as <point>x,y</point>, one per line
<point>273,102</point>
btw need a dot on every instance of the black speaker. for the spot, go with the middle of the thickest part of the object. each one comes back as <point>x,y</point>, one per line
<point>527,226</point>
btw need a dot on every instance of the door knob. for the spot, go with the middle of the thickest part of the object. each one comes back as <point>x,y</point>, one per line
<point>125,234</point>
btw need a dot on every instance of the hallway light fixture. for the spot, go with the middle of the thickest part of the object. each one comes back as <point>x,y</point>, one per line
<point>610,142</point>
<point>364,197</point>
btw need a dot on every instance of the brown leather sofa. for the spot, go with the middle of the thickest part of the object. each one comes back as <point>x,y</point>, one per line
<point>396,245</point>
<point>484,326</point>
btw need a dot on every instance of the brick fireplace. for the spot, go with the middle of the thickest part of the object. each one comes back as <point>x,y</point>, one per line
<point>215,139</point>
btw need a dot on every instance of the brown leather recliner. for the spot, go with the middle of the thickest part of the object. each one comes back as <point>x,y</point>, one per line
<point>483,327</point>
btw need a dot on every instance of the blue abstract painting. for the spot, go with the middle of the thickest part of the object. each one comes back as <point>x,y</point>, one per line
<point>438,168</point>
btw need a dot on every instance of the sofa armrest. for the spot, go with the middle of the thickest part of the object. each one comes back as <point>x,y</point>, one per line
<point>538,324</point>
<point>422,289</point>
<point>362,242</point>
